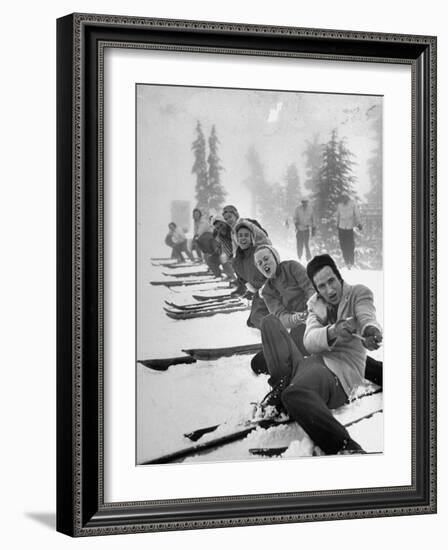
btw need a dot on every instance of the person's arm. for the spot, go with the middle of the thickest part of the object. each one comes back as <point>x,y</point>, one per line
<point>316,337</point>
<point>275,306</point>
<point>366,316</point>
<point>296,216</point>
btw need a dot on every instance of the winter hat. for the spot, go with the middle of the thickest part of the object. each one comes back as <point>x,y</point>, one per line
<point>318,263</point>
<point>219,218</point>
<point>271,249</point>
<point>232,209</point>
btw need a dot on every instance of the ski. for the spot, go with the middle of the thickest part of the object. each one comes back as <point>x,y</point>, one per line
<point>163,259</point>
<point>181,315</point>
<point>202,305</point>
<point>216,286</point>
<point>197,434</point>
<point>164,364</point>
<point>237,434</point>
<point>185,283</point>
<point>210,307</point>
<point>203,273</point>
<point>222,297</point>
<point>278,451</point>
<point>214,443</point>
<point>208,354</point>
<point>196,264</point>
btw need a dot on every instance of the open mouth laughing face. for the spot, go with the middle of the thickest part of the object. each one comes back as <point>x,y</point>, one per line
<point>266,262</point>
<point>244,238</point>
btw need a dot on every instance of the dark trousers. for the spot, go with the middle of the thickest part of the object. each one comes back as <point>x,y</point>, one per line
<point>303,238</point>
<point>213,262</point>
<point>179,248</point>
<point>196,248</point>
<point>347,242</point>
<point>312,388</point>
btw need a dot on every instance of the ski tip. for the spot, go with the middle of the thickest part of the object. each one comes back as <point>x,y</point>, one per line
<point>164,364</point>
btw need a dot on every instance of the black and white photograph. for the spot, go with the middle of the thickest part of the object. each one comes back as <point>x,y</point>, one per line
<point>259,274</point>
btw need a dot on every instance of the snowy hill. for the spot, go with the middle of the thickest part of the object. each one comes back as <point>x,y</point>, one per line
<point>187,397</point>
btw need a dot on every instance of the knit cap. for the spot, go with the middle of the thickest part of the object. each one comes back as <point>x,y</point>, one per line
<point>219,218</point>
<point>232,209</point>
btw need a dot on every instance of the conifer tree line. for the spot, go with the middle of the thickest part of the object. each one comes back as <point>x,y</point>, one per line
<point>210,194</point>
<point>329,174</point>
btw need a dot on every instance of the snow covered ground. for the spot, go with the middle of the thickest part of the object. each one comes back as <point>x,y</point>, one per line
<point>187,397</point>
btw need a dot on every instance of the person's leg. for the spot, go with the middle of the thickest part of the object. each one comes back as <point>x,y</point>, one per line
<point>212,260</point>
<point>280,352</point>
<point>258,312</point>
<point>258,362</point>
<point>343,240</point>
<point>351,246</point>
<point>187,251</point>
<point>311,394</point>
<point>306,242</point>
<point>177,252</point>
<point>228,269</point>
<point>374,371</point>
<point>299,240</point>
<point>195,247</point>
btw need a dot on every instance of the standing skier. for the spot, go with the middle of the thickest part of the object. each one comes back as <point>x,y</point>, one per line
<point>340,327</point>
<point>304,223</point>
<point>348,218</point>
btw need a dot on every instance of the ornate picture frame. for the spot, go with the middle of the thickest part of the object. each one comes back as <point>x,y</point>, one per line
<point>81,506</point>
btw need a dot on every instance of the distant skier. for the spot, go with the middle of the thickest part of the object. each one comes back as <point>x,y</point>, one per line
<point>232,217</point>
<point>177,240</point>
<point>347,218</point>
<point>304,223</point>
<point>341,326</point>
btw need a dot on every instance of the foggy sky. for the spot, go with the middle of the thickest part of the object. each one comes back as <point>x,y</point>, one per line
<point>276,123</point>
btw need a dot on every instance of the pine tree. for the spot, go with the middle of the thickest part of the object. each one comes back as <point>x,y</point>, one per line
<point>313,154</point>
<point>216,193</point>
<point>200,169</point>
<point>335,180</point>
<point>375,163</point>
<point>255,182</point>
<point>292,191</point>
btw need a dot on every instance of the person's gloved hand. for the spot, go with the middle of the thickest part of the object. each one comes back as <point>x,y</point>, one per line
<point>359,226</point>
<point>372,338</point>
<point>299,317</point>
<point>342,330</point>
